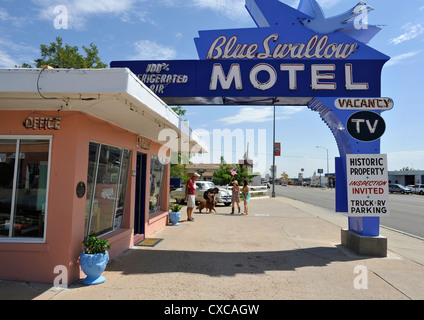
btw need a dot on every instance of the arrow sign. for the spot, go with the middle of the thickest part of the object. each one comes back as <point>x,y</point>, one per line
<point>366,126</point>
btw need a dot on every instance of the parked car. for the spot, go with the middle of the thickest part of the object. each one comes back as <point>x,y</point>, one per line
<point>410,186</point>
<point>399,188</point>
<point>266,183</point>
<point>418,188</point>
<point>224,195</point>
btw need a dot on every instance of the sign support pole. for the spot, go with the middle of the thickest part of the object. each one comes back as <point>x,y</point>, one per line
<point>273,158</point>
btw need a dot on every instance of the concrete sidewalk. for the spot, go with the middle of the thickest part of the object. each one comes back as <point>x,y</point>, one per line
<point>284,249</point>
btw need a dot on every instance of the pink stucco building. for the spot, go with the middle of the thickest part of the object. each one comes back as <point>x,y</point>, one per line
<point>81,151</point>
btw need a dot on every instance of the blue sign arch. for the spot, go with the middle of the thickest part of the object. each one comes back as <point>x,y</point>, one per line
<point>292,57</point>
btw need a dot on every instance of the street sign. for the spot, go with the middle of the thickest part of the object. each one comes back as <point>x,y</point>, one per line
<point>377,104</point>
<point>367,185</point>
<point>277,149</point>
<point>366,126</point>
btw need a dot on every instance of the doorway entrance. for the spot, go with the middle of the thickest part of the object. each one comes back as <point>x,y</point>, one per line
<point>140,198</point>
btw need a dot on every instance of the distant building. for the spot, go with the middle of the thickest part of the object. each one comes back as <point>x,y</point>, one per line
<point>406,177</point>
<point>206,170</point>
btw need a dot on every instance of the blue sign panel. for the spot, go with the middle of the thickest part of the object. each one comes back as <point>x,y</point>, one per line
<point>258,82</point>
<point>292,56</point>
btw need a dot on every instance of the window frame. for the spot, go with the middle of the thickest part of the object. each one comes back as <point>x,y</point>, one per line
<point>162,185</point>
<point>121,177</point>
<point>18,138</point>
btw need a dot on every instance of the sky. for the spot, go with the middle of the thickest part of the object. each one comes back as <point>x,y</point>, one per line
<point>165,29</point>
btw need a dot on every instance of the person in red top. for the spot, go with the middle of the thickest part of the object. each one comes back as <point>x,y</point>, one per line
<point>190,195</point>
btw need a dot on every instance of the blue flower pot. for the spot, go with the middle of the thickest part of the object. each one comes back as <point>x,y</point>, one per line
<point>175,217</point>
<point>93,266</point>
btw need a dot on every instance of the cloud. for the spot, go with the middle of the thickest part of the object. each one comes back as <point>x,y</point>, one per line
<point>402,57</point>
<point>411,31</point>
<point>233,9</point>
<point>14,53</point>
<point>6,61</point>
<point>104,6</point>
<point>151,50</point>
<point>400,159</point>
<point>79,11</point>
<point>250,115</point>
<point>261,114</point>
<point>14,21</point>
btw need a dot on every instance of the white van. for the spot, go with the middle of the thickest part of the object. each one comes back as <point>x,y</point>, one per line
<point>419,188</point>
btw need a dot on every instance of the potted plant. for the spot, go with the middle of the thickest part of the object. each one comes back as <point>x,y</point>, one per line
<point>94,259</point>
<point>175,214</point>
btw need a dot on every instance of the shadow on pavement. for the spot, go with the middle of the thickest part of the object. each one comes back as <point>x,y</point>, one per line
<point>151,261</point>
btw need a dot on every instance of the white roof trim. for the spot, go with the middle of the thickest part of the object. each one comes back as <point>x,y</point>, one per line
<point>115,95</point>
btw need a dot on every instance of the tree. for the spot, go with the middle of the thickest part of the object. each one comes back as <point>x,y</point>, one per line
<point>223,176</point>
<point>178,169</point>
<point>59,56</point>
<point>179,111</point>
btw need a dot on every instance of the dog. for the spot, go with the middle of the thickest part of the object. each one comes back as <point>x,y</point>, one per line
<point>206,204</point>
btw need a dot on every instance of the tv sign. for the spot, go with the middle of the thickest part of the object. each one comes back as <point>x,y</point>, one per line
<point>366,126</point>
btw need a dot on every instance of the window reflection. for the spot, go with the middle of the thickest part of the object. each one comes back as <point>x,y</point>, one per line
<point>157,183</point>
<point>24,170</point>
<point>107,178</point>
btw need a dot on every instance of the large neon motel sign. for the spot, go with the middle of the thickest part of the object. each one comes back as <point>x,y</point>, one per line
<point>240,70</point>
<point>181,81</point>
<point>297,57</point>
<point>295,54</point>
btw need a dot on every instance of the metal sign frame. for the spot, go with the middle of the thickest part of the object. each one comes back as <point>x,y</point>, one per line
<point>292,57</point>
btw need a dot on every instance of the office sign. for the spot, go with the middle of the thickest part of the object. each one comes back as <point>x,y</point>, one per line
<point>367,185</point>
<point>42,123</point>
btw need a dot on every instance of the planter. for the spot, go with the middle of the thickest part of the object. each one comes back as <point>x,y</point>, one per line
<point>175,217</point>
<point>93,266</point>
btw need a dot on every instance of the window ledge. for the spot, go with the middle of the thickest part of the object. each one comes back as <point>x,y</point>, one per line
<point>157,216</point>
<point>24,247</point>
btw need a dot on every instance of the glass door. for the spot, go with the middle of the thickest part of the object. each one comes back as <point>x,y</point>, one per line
<point>140,195</point>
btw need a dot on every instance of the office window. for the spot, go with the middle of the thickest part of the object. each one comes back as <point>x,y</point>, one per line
<point>107,178</point>
<point>24,166</point>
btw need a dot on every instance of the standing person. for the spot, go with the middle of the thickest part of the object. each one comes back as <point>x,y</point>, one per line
<point>246,196</point>
<point>190,195</point>
<point>235,196</point>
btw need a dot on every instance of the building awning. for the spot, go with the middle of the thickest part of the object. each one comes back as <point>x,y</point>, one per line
<point>113,95</point>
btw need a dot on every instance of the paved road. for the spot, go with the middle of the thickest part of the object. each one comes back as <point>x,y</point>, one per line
<point>406,211</point>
